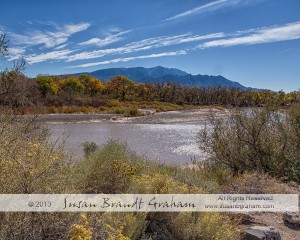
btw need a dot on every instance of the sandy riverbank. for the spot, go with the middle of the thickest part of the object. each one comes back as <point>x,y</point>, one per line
<point>202,114</point>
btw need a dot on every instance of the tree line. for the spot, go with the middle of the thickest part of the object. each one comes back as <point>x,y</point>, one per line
<point>17,90</point>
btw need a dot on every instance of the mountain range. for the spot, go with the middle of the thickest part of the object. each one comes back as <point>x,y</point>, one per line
<point>162,74</point>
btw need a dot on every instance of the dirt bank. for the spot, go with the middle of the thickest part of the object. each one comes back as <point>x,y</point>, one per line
<point>153,118</point>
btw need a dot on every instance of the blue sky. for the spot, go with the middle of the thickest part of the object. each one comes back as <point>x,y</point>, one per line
<point>254,42</point>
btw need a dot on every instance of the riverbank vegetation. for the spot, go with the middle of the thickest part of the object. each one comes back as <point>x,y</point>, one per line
<point>265,140</point>
<point>120,95</point>
<point>261,156</point>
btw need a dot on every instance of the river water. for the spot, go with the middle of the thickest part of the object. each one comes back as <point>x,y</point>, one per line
<point>174,143</point>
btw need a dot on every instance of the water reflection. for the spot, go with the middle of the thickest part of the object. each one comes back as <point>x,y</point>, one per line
<point>166,143</point>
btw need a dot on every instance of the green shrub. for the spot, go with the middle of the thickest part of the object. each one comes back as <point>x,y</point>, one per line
<point>132,112</point>
<point>109,170</point>
<point>89,148</point>
<point>293,169</point>
<point>262,140</point>
<point>117,225</point>
<point>157,183</point>
<point>119,110</point>
<point>212,226</point>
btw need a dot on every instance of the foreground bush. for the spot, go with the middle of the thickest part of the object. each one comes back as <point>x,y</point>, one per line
<point>203,226</point>
<point>123,226</point>
<point>263,140</point>
<point>108,170</point>
<point>155,183</point>
<point>30,164</point>
<point>82,230</point>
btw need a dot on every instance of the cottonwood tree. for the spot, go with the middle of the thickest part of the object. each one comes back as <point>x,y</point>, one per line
<point>120,87</point>
<point>92,86</point>
<point>15,88</point>
<point>47,84</point>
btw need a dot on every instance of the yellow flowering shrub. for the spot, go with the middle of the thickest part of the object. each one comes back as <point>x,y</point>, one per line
<point>156,183</point>
<point>28,162</point>
<point>109,170</point>
<point>115,234</point>
<point>123,226</point>
<point>213,226</point>
<point>81,231</point>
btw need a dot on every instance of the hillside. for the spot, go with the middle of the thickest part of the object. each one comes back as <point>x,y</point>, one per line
<point>162,74</point>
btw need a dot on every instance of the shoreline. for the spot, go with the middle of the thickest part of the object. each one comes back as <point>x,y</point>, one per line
<point>181,116</point>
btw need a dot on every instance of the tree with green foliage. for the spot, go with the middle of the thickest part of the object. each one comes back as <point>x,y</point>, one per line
<point>120,87</point>
<point>92,85</point>
<point>47,84</point>
<point>72,85</point>
<point>141,91</point>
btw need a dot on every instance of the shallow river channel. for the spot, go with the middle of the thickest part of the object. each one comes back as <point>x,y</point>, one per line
<point>174,143</point>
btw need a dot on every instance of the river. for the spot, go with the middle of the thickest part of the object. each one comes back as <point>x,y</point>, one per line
<point>173,143</point>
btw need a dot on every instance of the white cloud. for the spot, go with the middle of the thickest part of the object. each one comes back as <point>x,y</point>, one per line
<point>286,32</point>
<point>47,38</point>
<point>164,41</point>
<point>15,53</point>
<point>212,6</point>
<point>54,55</point>
<point>105,41</point>
<point>92,41</point>
<point>61,46</point>
<point>142,45</point>
<point>75,28</point>
<point>164,54</point>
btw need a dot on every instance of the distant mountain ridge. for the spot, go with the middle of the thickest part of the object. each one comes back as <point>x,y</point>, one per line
<point>162,74</point>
